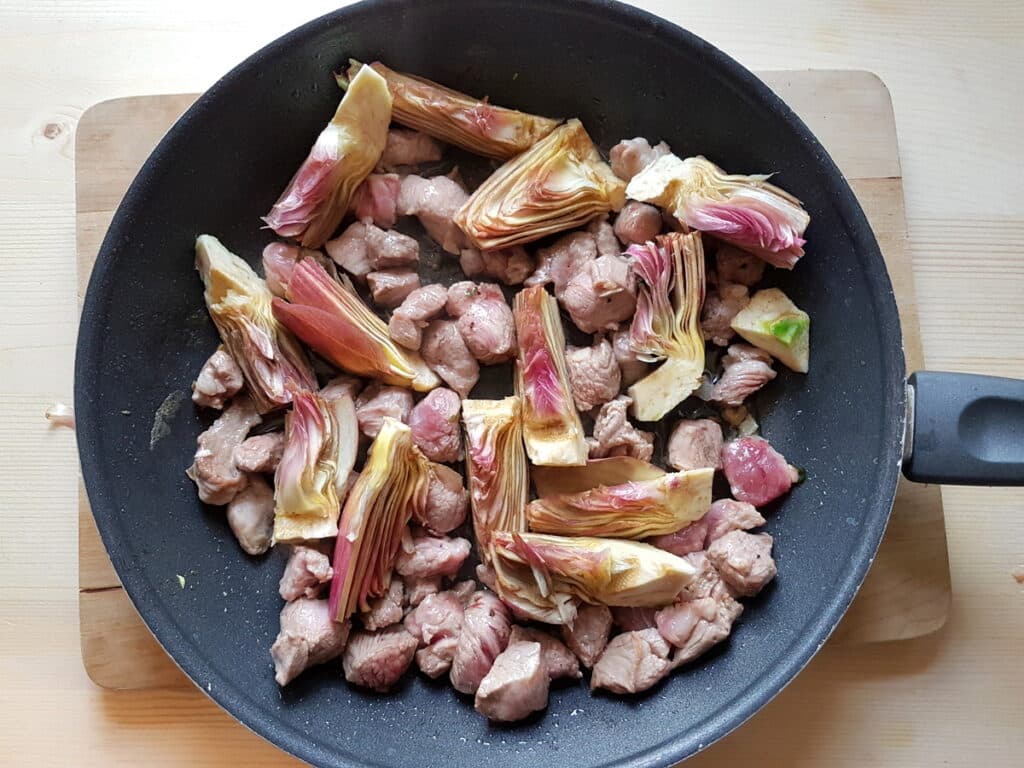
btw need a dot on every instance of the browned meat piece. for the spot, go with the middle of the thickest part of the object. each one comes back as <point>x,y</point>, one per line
<point>445,351</point>
<point>634,619</point>
<point>417,309</point>
<point>596,300</point>
<point>632,369</point>
<point>377,402</point>
<point>604,237</point>
<point>695,626</point>
<point>386,609</point>
<point>559,661</point>
<point>509,265</point>
<point>686,540</point>
<point>305,574</point>
<point>561,261</point>
<point>615,435</point>
<point>349,251</point>
<point>630,156</point>
<point>417,590</point>
<point>434,422</point>
<point>747,369</point>
<point>375,199</point>
<point>637,223</point>
<point>251,515</point>
<point>707,582</point>
<point>218,381</point>
<point>632,662</point>
<point>407,147</point>
<point>485,629</point>
<point>744,561</point>
<point>515,686</point>
<point>260,453</point>
<point>389,249</point>
<point>588,635</point>
<point>436,659</point>
<point>309,636</point>
<point>695,444</point>
<point>390,287</point>
<point>427,555</point>
<point>736,266</point>
<point>447,500</point>
<point>594,375</point>
<point>213,469</point>
<point>434,202</point>
<point>376,660</point>
<point>342,385</point>
<point>728,515</point>
<point>436,624</point>
<point>484,320</point>
<point>720,307</point>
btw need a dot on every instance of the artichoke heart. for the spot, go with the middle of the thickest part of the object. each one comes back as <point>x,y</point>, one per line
<point>613,470</point>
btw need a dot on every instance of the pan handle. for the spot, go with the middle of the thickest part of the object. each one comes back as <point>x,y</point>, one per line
<point>964,429</point>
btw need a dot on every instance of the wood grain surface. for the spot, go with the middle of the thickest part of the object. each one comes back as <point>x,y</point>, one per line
<point>956,75</point>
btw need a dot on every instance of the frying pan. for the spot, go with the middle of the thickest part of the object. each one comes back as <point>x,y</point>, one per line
<point>144,333</point>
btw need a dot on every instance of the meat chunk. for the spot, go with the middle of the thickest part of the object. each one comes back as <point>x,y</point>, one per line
<point>515,686</point>
<point>630,156</point>
<point>213,468</point>
<point>707,582</point>
<point>377,402</point>
<point>634,619</point>
<point>486,576</point>
<point>389,249</point>
<point>720,307</point>
<point>695,444</point>
<point>604,237</point>
<point>434,422</point>
<point>436,624</point>
<point>756,472</point>
<point>218,381</point>
<point>694,626</point>
<point>390,287</point>
<point>563,260</point>
<point>632,368</point>
<point>376,660</point>
<point>308,636</point>
<point>376,198</point>
<point>407,147</point>
<point>637,223</point>
<point>728,515</point>
<point>632,662</point>
<point>434,202</point>
<point>744,561</point>
<point>445,351</point>
<point>485,630</point>
<point>737,266</point>
<point>417,590</point>
<point>342,385</point>
<point>279,260</point>
<point>349,251</point>
<point>484,320</point>
<point>594,374</point>
<point>747,369</point>
<point>595,297</point>
<point>427,555</point>
<point>251,515</point>
<point>612,275</point>
<point>511,266</point>
<point>588,635</point>
<point>447,500</point>
<point>615,435</point>
<point>687,539</point>
<point>386,609</point>
<point>417,309</point>
<point>559,661</point>
<point>305,574</point>
<point>260,453</point>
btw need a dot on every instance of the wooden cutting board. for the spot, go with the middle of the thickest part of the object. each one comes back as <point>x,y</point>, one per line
<point>907,591</point>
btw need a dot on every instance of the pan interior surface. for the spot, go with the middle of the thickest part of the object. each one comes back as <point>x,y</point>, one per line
<point>145,333</point>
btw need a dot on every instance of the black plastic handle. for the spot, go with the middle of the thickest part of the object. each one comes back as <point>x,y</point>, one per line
<point>964,429</point>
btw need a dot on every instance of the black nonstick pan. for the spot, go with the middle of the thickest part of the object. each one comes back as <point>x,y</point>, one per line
<point>144,334</point>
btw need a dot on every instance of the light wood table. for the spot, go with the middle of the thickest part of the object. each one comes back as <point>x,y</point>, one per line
<point>956,73</point>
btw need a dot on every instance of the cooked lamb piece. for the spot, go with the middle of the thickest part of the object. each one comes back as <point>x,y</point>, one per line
<point>436,624</point>
<point>485,630</point>
<point>510,266</point>
<point>447,500</point>
<point>634,619</point>
<point>695,444</point>
<point>587,299</point>
<point>632,662</point>
<point>408,147</point>
<point>594,374</point>
<point>614,435</point>
<point>386,609</point>
<point>472,262</point>
<point>377,402</point>
<point>695,626</point>
<point>342,384</point>
<point>464,590</point>
<point>218,381</point>
<point>390,287</point>
<point>305,574</point>
<point>588,635</point>
<point>756,472</point>
<point>417,590</point>
<point>611,275</point>
<point>309,636</point>
<point>637,223</point>
<point>417,309</point>
<point>425,555</point>
<point>484,320</point>
<point>434,202</point>
<point>563,260</point>
<point>747,369</point>
<point>445,351</point>
<point>728,515</point>
<point>632,368</point>
<point>720,307</point>
<point>260,453</point>
<point>559,661</point>
<point>279,260</point>
<point>349,251</point>
<point>390,249</point>
<point>737,266</point>
<point>604,237</point>
<point>687,539</point>
<point>707,581</point>
<point>434,422</point>
<point>377,660</point>
<point>485,575</point>
<point>375,199</point>
<point>630,156</point>
<point>515,686</point>
<point>251,515</point>
<point>744,561</point>
<point>213,469</point>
